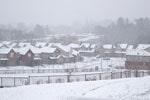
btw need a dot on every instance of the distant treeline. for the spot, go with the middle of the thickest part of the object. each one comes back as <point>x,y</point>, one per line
<point>124,30</point>
<point>22,32</point>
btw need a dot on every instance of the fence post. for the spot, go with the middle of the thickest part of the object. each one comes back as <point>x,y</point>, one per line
<point>29,80</point>
<point>143,73</point>
<point>136,73</point>
<point>121,74</point>
<point>129,73</point>
<point>68,79</point>
<point>111,75</point>
<point>14,81</point>
<point>48,79</point>
<point>85,77</point>
<point>99,76</point>
<point>1,82</point>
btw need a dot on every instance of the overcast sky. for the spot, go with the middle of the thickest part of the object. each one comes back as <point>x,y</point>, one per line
<point>69,11</point>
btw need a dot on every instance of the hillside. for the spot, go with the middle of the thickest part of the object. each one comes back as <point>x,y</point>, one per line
<point>120,89</point>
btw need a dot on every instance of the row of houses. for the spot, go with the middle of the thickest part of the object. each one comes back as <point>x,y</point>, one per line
<point>138,58</point>
<point>31,54</point>
<point>84,49</point>
<point>34,57</point>
<point>42,53</point>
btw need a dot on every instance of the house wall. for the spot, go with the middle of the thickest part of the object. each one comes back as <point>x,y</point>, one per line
<point>137,62</point>
<point>28,60</point>
<point>134,65</point>
<point>56,53</point>
<point>138,58</point>
<point>3,62</point>
<point>89,54</point>
<point>12,58</point>
<point>45,58</point>
<point>122,55</point>
<point>61,60</point>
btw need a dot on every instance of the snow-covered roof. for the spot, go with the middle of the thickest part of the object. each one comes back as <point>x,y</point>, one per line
<point>93,45</point>
<point>143,46</point>
<point>6,42</point>
<point>12,45</point>
<point>107,46</point>
<point>73,45</point>
<point>130,47</point>
<point>123,46</point>
<point>93,50</point>
<point>36,50</point>
<point>37,58</point>
<point>74,52</point>
<point>29,47</point>
<point>42,44</point>
<point>4,46</point>
<point>22,51</point>
<point>5,51</point>
<point>57,57</point>
<point>85,45</point>
<point>120,52</point>
<point>137,52</point>
<point>1,44</point>
<point>64,47</point>
<point>23,44</point>
<point>47,50</point>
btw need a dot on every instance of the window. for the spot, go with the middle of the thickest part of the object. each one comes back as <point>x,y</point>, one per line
<point>12,54</point>
<point>29,55</point>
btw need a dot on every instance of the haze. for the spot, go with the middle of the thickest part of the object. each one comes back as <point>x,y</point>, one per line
<point>56,12</point>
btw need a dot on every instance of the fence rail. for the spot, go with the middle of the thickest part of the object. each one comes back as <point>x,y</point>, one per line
<point>70,77</point>
<point>63,70</point>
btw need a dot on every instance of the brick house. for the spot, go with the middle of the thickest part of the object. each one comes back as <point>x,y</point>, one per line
<point>120,50</point>
<point>47,53</point>
<point>108,50</point>
<point>88,53</point>
<point>137,60</point>
<point>8,57</point>
<point>26,57</point>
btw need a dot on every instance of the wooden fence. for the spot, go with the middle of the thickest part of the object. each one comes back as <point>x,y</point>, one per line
<point>70,77</point>
<point>46,70</point>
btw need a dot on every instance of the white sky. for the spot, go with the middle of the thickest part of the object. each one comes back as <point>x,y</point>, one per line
<point>69,11</point>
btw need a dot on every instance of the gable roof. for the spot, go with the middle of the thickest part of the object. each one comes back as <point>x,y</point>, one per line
<point>22,51</point>
<point>143,46</point>
<point>123,46</point>
<point>137,52</point>
<point>64,47</point>
<point>73,45</point>
<point>107,46</point>
<point>47,50</point>
<point>130,47</point>
<point>40,44</point>
<point>86,45</point>
<point>5,51</point>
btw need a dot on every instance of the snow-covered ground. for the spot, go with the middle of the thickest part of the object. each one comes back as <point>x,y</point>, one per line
<point>91,62</point>
<point>120,89</point>
<point>81,37</point>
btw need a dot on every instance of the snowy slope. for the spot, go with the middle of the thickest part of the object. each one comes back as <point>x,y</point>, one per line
<point>121,89</point>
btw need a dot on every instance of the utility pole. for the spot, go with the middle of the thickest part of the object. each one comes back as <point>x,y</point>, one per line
<point>101,64</point>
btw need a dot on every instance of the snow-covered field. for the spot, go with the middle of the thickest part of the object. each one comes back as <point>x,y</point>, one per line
<point>82,37</point>
<point>88,63</point>
<point>120,89</point>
